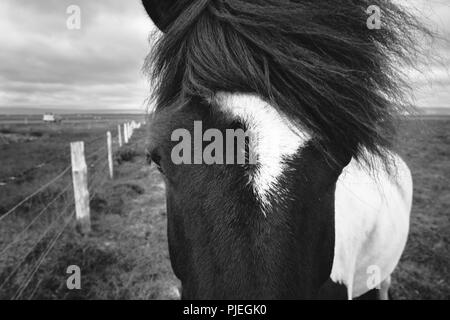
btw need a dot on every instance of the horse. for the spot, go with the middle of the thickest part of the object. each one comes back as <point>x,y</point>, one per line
<point>324,211</point>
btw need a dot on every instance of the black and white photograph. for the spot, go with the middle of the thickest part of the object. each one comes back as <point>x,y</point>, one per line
<point>243,150</point>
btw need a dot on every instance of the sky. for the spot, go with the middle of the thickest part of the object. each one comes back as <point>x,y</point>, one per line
<point>43,63</point>
<point>46,64</point>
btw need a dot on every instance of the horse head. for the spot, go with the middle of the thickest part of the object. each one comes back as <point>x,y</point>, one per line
<point>313,87</point>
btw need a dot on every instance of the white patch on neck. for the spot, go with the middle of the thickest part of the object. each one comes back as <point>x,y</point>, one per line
<point>277,138</point>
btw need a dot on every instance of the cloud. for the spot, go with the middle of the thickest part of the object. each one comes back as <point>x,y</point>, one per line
<point>431,82</point>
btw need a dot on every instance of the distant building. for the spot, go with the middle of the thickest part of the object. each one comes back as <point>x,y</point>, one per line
<point>50,117</point>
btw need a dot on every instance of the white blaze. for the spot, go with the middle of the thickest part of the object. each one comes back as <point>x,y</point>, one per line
<point>277,139</point>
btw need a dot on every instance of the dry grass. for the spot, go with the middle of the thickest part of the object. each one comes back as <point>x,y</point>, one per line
<point>126,256</point>
<point>424,270</point>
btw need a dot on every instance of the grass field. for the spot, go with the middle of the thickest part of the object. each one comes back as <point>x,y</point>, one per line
<point>424,271</point>
<point>126,255</point>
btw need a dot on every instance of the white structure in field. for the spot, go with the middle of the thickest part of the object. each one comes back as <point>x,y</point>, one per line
<point>50,117</point>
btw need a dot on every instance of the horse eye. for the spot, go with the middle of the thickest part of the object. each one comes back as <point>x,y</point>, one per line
<point>154,157</point>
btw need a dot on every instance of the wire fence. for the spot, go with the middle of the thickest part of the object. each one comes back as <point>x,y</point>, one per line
<point>51,161</point>
<point>17,275</point>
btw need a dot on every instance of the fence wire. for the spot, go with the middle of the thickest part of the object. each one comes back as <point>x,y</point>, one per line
<point>48,184</point>
<point>94,181</point>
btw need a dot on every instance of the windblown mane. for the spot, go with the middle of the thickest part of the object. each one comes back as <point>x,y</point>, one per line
<point>314,60</point>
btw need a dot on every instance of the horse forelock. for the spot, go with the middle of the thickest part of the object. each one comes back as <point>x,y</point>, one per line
<point>321,68</point>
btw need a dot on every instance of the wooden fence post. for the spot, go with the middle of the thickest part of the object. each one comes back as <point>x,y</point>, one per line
<point>110,155</point>
<point>80,186</point>
<point>119,132</point>
<point>125,133</point>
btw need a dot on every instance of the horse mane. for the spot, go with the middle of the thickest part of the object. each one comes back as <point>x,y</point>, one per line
<point>316,61</point>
